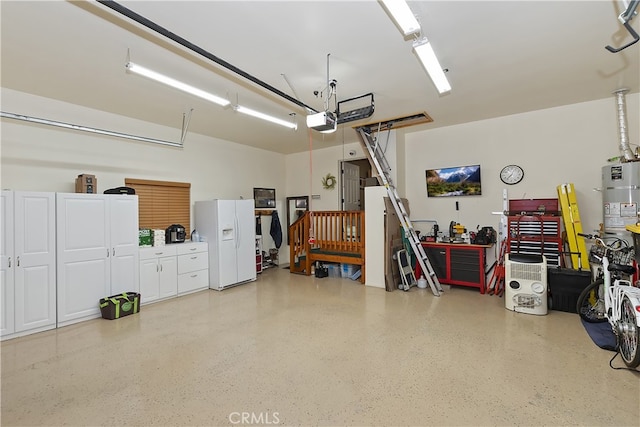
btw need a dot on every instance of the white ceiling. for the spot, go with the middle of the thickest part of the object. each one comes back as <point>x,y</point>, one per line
<point>503,57</point>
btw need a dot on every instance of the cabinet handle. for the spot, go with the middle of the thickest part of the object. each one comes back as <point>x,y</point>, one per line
<point>107,252</point>
<point>159,253</point>
<point>9,262</point>
<point>193,249</point>
<point>443,253</point>
<point>18,261</point>
<point>160,267</point>
<point>114,252</point>
<point>157,268</point>
<point>194,275</point>
<point>194,257</point>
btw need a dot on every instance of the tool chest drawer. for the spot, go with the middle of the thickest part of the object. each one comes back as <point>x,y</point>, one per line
<point>547,226</point>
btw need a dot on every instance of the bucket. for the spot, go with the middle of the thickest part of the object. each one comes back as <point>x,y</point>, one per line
<point>422,282</point>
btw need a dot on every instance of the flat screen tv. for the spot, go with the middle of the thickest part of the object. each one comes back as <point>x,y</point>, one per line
<point>454,181</point>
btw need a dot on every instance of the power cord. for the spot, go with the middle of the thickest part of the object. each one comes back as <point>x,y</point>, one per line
<point>621,367</point>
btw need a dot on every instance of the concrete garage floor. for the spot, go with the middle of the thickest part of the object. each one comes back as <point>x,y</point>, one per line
<point>295,350</point>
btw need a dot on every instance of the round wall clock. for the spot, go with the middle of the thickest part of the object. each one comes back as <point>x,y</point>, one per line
<point>511,174</point>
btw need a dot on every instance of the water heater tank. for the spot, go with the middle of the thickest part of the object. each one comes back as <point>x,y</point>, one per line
<point>620,198</point>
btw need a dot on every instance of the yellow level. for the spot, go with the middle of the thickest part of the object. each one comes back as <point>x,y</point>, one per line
<point>573,226</point>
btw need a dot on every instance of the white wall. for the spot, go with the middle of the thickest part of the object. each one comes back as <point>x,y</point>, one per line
<point>554,146</point>
<point>304,174</point>
<point>45,158</point>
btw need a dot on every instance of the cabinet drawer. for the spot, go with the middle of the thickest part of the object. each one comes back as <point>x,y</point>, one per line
<point>465,275</point>
<point>192,262</point>
<point>464,255</point>
<point>189,248</point>
<point>195,280</point>
<point>157,252</point>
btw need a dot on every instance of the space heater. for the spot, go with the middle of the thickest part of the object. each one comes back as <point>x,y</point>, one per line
<point>526,286</point>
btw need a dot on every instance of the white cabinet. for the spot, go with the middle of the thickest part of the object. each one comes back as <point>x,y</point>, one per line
<point>158,273</point>
<point>97,250</point>
<point>193,267</point>
<point>171,270</point>
<point>28,261</point>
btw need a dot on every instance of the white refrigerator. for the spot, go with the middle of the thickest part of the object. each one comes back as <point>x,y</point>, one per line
<point>228,226</point>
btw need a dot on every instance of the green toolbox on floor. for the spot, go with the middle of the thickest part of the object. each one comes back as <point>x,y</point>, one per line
<point>120,305</point>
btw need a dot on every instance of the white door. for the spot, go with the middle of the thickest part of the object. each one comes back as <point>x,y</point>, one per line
<point>149,280</point>
<point>227,241</point>
<point>246,240</point>
<point>35,272</point>
<point>350,187</point>
<point>83,253</point>
<point>7,262</point>
<point>168,276</point>
<point>124,243</point>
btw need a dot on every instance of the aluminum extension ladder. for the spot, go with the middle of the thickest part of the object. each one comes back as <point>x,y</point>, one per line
<point>573,226</point>
<point>377,158</point>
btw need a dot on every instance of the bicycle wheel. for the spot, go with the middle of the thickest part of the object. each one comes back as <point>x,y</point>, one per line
<point>628,334</point>
<point>590,304</point>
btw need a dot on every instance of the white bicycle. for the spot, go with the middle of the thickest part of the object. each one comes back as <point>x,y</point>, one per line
<point>617,302</point>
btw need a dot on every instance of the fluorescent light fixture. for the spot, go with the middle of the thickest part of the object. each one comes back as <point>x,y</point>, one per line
<point>161,78</point>
<point>427,56</point>
<point>402,14</point>
<point>258,114</point>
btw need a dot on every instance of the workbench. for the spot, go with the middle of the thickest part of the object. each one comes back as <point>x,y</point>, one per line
<point>458,263</point>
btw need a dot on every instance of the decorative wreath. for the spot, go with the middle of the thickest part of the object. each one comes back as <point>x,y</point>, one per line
<point>329,182</point>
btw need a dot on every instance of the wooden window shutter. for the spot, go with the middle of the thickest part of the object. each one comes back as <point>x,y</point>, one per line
<point>162,203</point>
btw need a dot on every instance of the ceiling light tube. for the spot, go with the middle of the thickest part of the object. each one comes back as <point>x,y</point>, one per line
<point>259,115</point>
<point>402,14</point>
<point>161,78</point>
<point>427,56</point>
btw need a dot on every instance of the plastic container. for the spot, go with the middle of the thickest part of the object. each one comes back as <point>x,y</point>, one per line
<point>422,282</point>
<point>347,270</point>
<point>334,270</point>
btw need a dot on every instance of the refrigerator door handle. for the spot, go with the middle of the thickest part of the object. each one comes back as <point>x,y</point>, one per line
<point>235,219</point>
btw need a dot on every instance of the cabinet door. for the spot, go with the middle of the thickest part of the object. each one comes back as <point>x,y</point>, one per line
<point>35,278</point>
<point>123,237</point>
<point>7,262</point>
<point>168,276</point>
<point>149,280</point>
<point>246,246</point>
<point>438,259</point>
<point>227,245</point>
<point>83,254</point>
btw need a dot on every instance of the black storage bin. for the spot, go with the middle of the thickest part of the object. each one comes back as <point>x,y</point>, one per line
<point>120,305</point>
<point>321,271</point>
<point>565,286</point>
